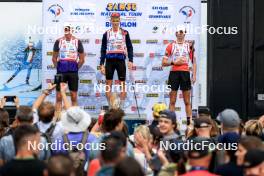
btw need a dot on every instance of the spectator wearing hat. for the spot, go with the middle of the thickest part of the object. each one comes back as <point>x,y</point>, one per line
<point>168,125</point>
<point>203,127</point>
<point>199,159</point>
<point>254,163</point>
<point>24,116</point>
<point>157,107</point>
<point>245,144</point>
<point>170,136</point>
<point>116,46</point>
<point>230,121</point>
<point>75,122</point>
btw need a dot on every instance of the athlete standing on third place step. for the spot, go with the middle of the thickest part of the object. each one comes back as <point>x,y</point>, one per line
<point>116,46</point>
<point>177,56</point>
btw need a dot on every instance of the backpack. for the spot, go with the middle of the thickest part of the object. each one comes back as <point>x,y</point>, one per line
<point>78,156</point>
<point>48,133</point>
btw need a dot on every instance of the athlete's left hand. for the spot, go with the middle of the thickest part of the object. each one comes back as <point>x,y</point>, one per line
<point>130,65</point>
<point>193,79</point>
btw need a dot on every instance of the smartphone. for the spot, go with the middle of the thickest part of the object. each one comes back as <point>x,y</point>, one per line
<point>105,108</point>
<point>57,80</point>
<point>10,98</point>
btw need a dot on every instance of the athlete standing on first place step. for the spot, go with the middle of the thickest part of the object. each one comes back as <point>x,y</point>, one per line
<point>116,46</point>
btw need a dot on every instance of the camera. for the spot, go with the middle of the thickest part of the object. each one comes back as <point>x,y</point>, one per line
<point>57,80</point>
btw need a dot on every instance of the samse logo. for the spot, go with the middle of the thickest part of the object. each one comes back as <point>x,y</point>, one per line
<point>121,7</point>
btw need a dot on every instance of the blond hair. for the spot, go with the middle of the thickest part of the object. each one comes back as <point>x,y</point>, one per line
<point>253,127</point>
<point>144,131</point>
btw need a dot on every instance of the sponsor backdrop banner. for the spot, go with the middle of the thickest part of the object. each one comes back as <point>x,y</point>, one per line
<point>151,25</point>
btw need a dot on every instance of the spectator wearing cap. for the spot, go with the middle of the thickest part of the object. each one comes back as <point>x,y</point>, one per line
<point>229,167</point>
<point>76,122</point>
<point>247,143</point>
<point>203,128</point>
<point>230,121</point>
<point>199,159</point>
<point>168,125</point>
<point>24,116</point>
<point>25,161</point>
<point>115,150</point>
<point>254,163</point>
<point>157,107</point>
<point>116,46</point>
<point>170,136</point>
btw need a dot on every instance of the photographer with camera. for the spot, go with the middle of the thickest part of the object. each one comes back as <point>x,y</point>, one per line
<point>68,58</point>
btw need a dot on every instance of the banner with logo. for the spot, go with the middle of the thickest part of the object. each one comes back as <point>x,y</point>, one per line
<point>151,25</point>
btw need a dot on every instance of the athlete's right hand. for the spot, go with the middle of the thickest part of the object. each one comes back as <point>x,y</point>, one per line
<point>102,69</point>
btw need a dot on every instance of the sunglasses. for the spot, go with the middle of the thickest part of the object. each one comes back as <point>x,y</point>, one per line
<point>181,32</point>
